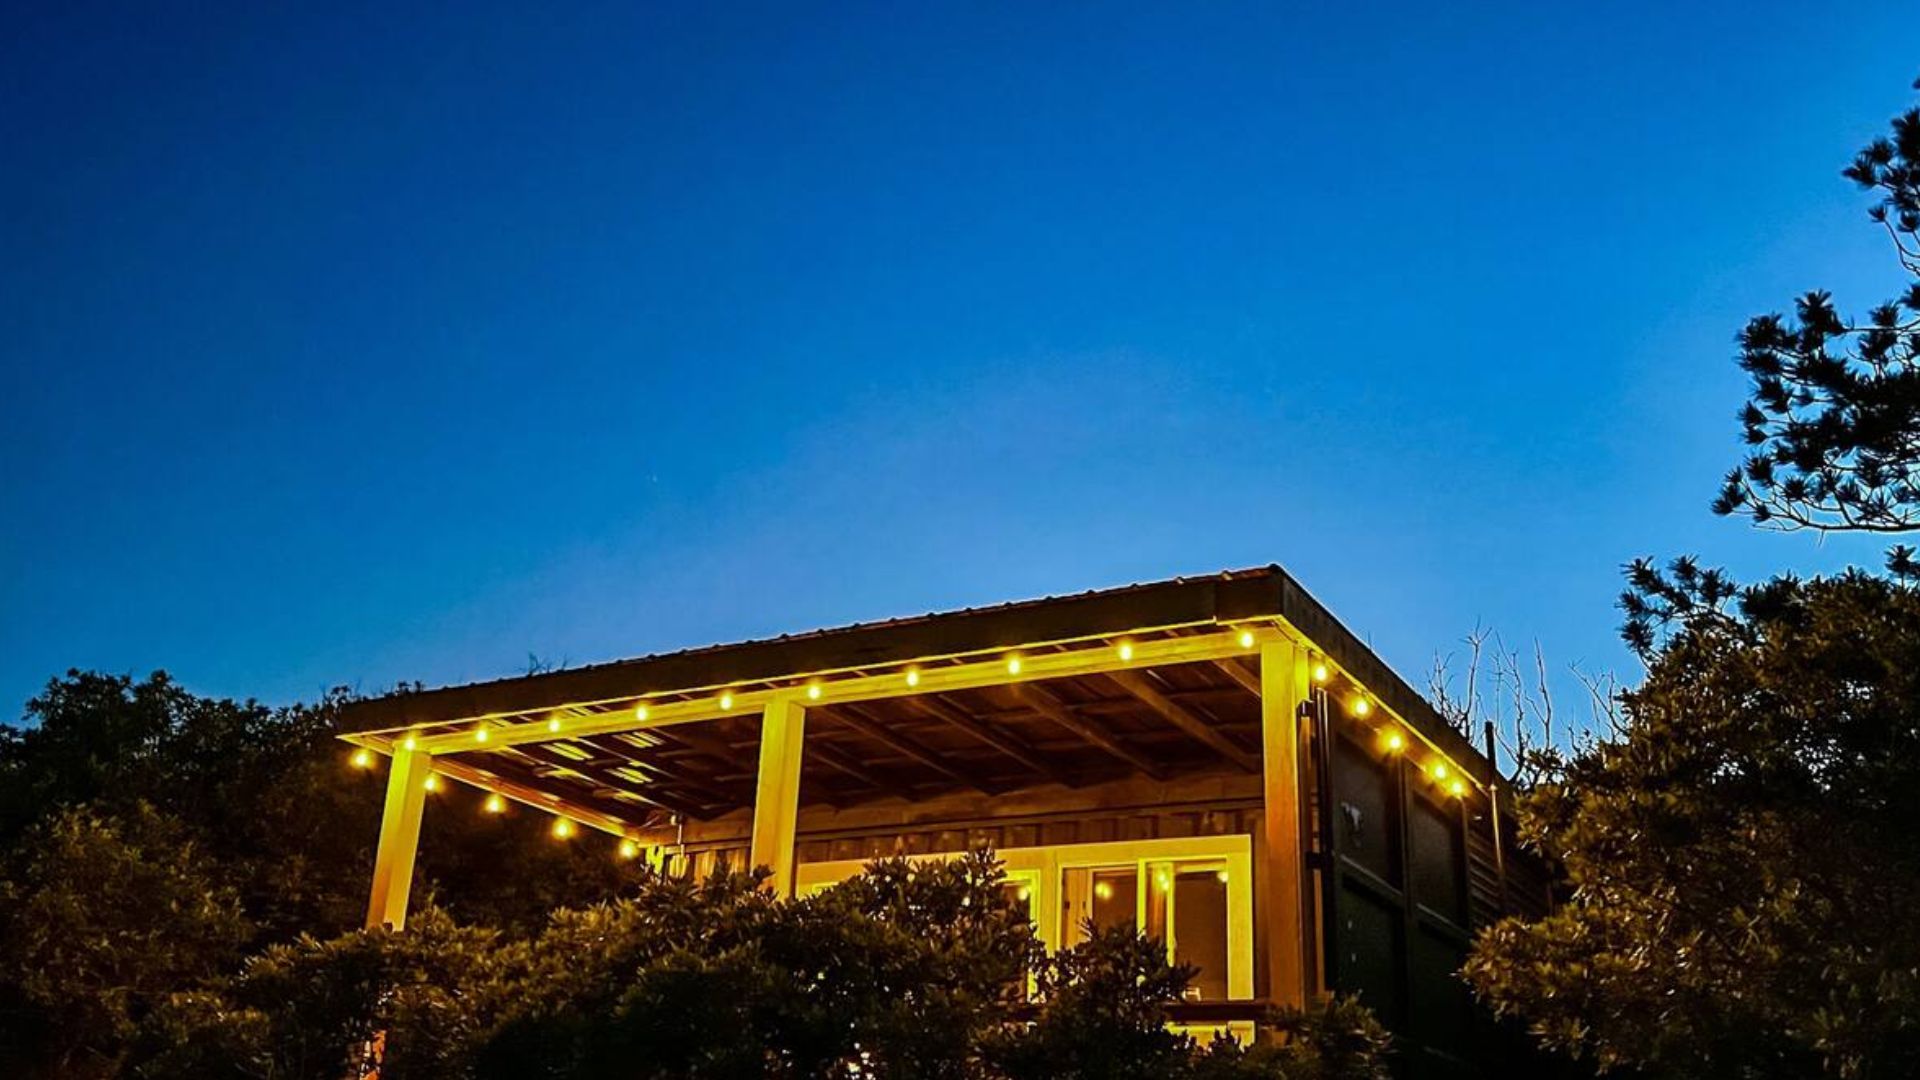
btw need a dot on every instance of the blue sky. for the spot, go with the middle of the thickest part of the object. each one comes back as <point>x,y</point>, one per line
<point>348,345</point>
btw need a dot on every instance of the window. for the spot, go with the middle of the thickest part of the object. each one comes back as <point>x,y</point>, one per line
<point>1194,893</point>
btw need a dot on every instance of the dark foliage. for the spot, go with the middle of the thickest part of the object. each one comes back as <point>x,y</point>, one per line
<point>1744,872</point>
<point>1834,414</point>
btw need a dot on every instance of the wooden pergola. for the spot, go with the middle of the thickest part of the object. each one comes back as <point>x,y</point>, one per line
<point>1160,683</point>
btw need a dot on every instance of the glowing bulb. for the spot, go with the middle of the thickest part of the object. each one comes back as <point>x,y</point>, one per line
<point>1221,876</point>
<point>1458,788</point>
<point>1319,673</point>
<point>409,742</point>
<point>480,734</point>
<point>562,829</point>
<point>1246,639</point>
<point>362,758</point>
<point>629,849</point>
<point>1439,770</point>
<point>1024,894</point>
<point>1395,741</point>
<point>1013,665</point>
<point>1103,891</point>
<point>1361,706</point>
<point>1162,881</point>
<point>432,782</point>
<point>496,805</point>
<point>553,724</point>
<point>726,699</point>
<point>1125,650</point>
<point>640,712</point>
<point>813,690</point>
<point>913,676</point>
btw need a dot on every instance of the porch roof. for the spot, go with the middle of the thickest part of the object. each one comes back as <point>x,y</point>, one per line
<point>906,707</point>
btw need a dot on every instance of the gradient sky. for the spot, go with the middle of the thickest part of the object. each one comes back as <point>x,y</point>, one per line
<point>353,346</point>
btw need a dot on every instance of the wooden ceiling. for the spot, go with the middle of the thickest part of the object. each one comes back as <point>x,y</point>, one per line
<point>1159,722</point>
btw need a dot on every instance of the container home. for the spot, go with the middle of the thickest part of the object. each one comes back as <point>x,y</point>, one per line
<point>1216,760</point>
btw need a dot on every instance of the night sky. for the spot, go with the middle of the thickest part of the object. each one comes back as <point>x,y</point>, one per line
<point>351,346</point>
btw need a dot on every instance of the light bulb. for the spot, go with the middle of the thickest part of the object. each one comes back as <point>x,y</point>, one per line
<point>640,712</point>
<point>409,742</point>
<point>1246,639</point>
<point>495,804</point>
<point>480,734</point>
<point>562,829</point>
<point>1396,742</point>
<point>1439,770</point>
<point>432,782</point>
<point>813,690</point>
<point>913,676</point>
<point>1458,788</point>
<point>1013,665</point>
<point>726,699</point>
<point>1125,650</point>
<point>362,758</point>
<point>553,724</point>
<point>629,849</point>
<point>1319,673</point>
<point>1361,706</point>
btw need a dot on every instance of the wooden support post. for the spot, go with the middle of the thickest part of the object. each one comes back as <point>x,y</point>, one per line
<point>399,838</point>
<point>1285,684</point>
<point>776,799</point>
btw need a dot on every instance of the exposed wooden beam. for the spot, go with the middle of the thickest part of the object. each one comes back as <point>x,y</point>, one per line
<point>1179,716</point>
<point>1246,680</point>
<point>845,763</point>
<point>710,787</point>
<point>1004,741</point>
<point>1083,658</point>
<point>1047,705</point>
<point>399,839</point>
<point>587,809</point>
<point>776,799</point>
<point>866,724</point>
<point>673,805</point>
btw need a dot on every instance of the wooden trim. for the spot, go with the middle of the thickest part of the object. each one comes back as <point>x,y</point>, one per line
<point>1285,683</point>
<point>399,839</point>
<point>776,800</point>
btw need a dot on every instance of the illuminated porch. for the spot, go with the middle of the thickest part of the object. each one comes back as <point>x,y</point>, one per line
<point>1142,754</point>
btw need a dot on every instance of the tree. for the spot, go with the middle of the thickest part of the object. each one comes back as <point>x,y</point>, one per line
<point>1834,412</point>
<point>101,919</point>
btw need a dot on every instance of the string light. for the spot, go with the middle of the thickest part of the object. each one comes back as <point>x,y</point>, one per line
<point>1319,673</point>
<point>1439,770</point>
<point>813,690</point>
<point>1458,787</point>
<point>362,758</point>
<point>640,713</point>
<point>1013,664</point>
<point>629,849</point>
<point>1361,706</point>
<point>409,742</point>
<point>480,734</point>
<point>553,724</point>
<point>1246,639</point>
<point>1125,650</point>
<point>495,804</point>
<point>913,676</point>
<point>1396,742</point>
<point>432,782</point>
<point>726,699</point>
<point>562,829</point>
<point>1103,891</point>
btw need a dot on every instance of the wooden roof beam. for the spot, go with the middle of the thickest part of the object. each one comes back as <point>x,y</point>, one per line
<point>865,724</point>
<point>546,756</point>
<point>1246,680</point>
<point>1047,705</point>
<point>1006,742</point>
<point>1181,717</point>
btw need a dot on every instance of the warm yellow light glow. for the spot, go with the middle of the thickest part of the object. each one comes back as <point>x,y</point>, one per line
<point>362,758</point>
<point>813,690</point>
<point>1103,891</point>
<point>726,699</point>
<point>1361,706</point>
<point>432,782</point>
<point>1163,882</point>
<point>1125,650</point>
<point>629,849</point>
<point>480,734</point>
<point>1024,894</point>
<point>562,829</point>
<point>496,805</point>
<point>1439,770</point>
<point>1319,673</point>
<point>913,676</point>
<point>553,724</point>
<point>1459,788</point>
<point>640,712</point>
<point>1395,741</point>
<point>1246,639</point>
<point>409,742</point>
<point>1222,875</point>
<point>1013,664</point>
